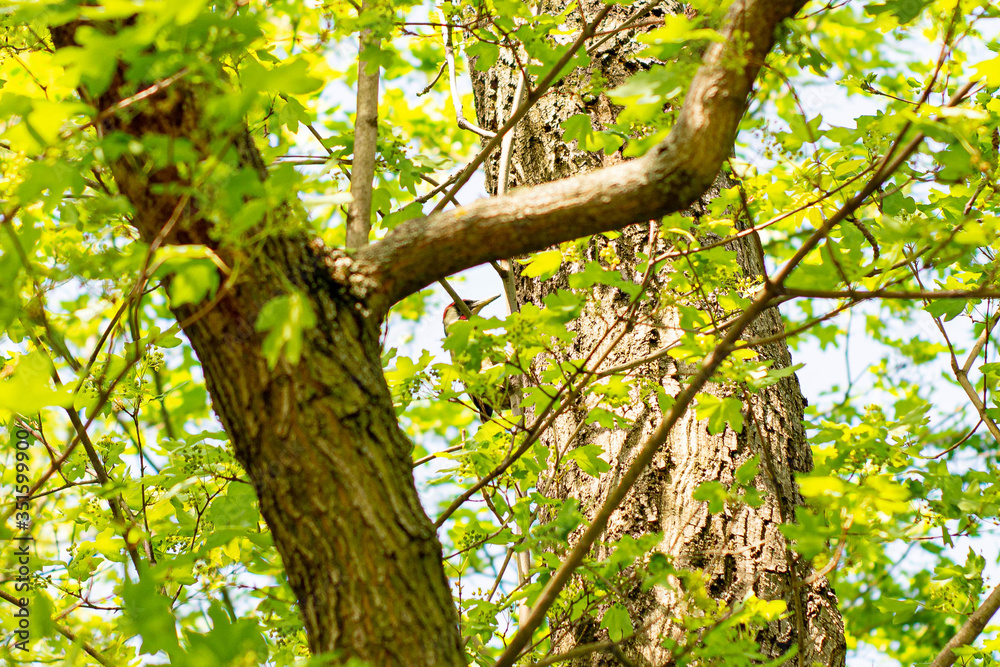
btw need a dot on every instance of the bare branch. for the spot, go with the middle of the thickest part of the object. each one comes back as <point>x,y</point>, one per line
<point>430,85</point>
<point>507,144</point>
<point>455,298</point>
<point>128,101</point>
<point>628,23</point>
<point>533,97</point>
<point>578,652</point>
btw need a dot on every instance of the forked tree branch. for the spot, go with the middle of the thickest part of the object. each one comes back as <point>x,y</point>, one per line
<point>667,179</point>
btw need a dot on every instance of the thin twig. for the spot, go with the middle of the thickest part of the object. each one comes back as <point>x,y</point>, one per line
<point>862,295</point>
<point>319,138</point>
<point>573,654</point>
<point>625,25</point>
<point>964,439</point>
<point>127,102</point>
<point>88,648</point>
<point>430,457</point>
<point>437,76</point>
<point>549,414</point>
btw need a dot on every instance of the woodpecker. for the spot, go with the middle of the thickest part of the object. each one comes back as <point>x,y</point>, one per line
<point>451,315</point>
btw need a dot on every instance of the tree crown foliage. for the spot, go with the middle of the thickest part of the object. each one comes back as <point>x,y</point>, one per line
<point>148,542</point>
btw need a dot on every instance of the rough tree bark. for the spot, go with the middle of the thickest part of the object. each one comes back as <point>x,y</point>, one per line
<point>319,439</point>
<point>740,550</point>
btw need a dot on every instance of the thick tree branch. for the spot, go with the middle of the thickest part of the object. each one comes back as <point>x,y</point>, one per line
<point>365,140</point>
<point>665,180</point>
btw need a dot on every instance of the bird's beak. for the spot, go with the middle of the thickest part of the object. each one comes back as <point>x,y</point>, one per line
<point>476,306</point>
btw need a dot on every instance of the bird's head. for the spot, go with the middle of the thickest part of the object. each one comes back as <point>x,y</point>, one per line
<point>453,314</point>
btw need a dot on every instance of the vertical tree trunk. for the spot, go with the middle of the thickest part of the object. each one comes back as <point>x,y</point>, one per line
<point>319,439</point>
<point>741,549</point>
<point>331,467</point>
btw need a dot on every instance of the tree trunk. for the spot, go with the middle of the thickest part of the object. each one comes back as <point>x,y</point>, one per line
<point>739,550</point>
<point>331,467</point>
<point>318,439</point>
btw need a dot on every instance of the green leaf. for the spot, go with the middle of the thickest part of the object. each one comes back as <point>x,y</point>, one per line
<point>228,641</point>
<point>42,612</point>
<point>821,485</point>
<point>947,308</point>
<point>290,77</point>
<point>712,492</point>
<point>414,210</point>
<point>193,281</point>
<point>649,90</point>
<point>148,613</point>
<point>543,265</point>
<point>578,128</point>
<point>990,71</point>
<point>28,388</point>
<point>676,29</point>
<point>588,457</point>
<point>904,10</point>
<point>617,622</point>
<point>720,412</point>
<point>286,319</point>
<point>191,271</point>
<point>748,471</point>
<point>595,274</point>
<point>236,509</point>
<point>483,54</point>
<point>901,610</point>
<point>773,376</point>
